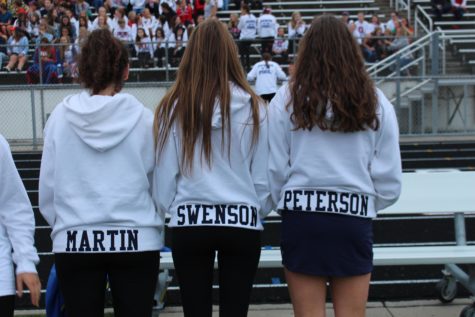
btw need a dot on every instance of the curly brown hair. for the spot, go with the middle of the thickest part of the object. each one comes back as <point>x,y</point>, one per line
<point>330,75</point>
<point>102,62</point>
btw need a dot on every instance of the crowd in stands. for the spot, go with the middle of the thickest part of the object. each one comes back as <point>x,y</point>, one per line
<point>156,32</point>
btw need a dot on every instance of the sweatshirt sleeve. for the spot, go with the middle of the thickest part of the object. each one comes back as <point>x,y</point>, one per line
<point>386,169</point>
<point>280,73</point>
<point>46,184</point>
<point>259,166</point>
<point>279,145</point>
<point>16,214</point>
<point>165,175</point>
<point>253,73</point>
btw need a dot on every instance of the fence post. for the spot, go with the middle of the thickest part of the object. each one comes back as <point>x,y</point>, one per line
<point>167,75</point>
<point>33,117</point>
<point>40,64</point>
<point>435,74</point>
<point>398,86</point>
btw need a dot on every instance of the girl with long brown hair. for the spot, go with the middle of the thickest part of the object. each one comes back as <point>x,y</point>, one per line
<point>334,162</point>
<point>211,137</point>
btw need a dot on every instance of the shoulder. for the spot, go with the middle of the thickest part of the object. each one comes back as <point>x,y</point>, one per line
<point>4,147</point>
<point>281,99</point>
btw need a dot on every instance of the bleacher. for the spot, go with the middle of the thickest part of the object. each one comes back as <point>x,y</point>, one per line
<point>394,282</point>
<point>462,44</point>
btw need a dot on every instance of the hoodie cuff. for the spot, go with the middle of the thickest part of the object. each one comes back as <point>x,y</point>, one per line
<point>26,267</point>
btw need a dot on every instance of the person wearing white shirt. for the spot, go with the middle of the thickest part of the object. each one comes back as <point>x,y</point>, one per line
<point>266,73</point>
<point>267,29</point>
<point>362,28</point>
<point>17,228</point>
<point>247,25</point>
<point>280,47</point>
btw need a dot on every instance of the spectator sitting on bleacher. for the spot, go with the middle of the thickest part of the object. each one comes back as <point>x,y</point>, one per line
<point>3,44</point>
<point>459,7</point>
<point>171,4</point>
<point>400,41</point>
<point>17,50</point>
<point>345,18</point>
<point>168,12</point>
<point>179,45</point>
<point>408,29</point>
<point>33,9</point>
<point>101,23</point>
<point>46,55</point>
<point>47,7</point>
<point>34,26</point>
<point>149,22</point>
<point>67,57</point>
<point>66,23</point>
<point>362,28</point>
<point>376,23</point>
<point>52,24</point>
<point>83,21</point>
<point>374,47</point>
<point>102,12</point>
<point>160,46</point>
<point>393,22</point>
<point>43,32</point>
<point>439,7</point>
<point>144,48</point>
<point>123,32</point>
<point>211,8</point>
<point>296,27</point>
<point>185,12</point>
<point>119,14</point>
<point>267,30</point>
<point>82,36</point>
<point>6,17</point>
<point>233,26</point>
<point>22,22</point>
<point>80,7</point>
<point>138,5</point>
<point>154,7</point>
<point>280,48</point>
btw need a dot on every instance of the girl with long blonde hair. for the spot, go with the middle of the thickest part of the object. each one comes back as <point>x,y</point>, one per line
<point>211,137</point>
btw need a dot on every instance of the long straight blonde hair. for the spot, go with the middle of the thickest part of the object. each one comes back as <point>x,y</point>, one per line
<point>210,63</point>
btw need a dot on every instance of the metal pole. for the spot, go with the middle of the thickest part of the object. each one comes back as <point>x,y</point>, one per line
<point>42,101</point>
<point>435,73</point>
<point>398,86</point>
<point>33,117</point>
<point>460,236</point>
<point>465,106</point>
<point>167,74</point>
<point>40,64</point>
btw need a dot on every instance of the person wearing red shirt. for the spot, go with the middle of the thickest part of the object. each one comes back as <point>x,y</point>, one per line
<point>185,12</point>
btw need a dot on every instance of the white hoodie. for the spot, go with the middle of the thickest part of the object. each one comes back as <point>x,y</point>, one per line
<point>17,224</point>
<point>234,192</point>
<point>266,77</point>
<point>248,26</point>
<point>96,173</point>
<point>353,174</point>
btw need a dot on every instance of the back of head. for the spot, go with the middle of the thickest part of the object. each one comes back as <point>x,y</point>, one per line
<point>330,75</point>
<point>102,62</point>
<point>209,64</point>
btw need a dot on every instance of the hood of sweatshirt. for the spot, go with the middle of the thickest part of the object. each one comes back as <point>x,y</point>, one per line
<point>239,102</point>
<point>102,122</point>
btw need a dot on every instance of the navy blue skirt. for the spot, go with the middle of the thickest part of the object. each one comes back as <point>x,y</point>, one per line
<point>323,244</point>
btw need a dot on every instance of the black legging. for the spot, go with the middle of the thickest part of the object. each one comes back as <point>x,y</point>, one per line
<point>132,280</point>
<point>7,305</point>
<point>193,250</point>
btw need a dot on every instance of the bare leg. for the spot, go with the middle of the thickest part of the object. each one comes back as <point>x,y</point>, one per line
<point>12,61</point>
<point>349,295</point>
<point>307,293</point>
<point>21,62</point>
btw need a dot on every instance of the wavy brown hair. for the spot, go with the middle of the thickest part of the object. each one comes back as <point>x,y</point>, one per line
<point>102,61</point>
<point>209,64</point>
<point>330,75</point>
